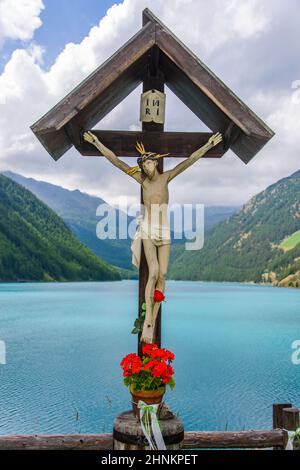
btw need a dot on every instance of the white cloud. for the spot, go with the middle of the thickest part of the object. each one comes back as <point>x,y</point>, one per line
<point>19,19</point>
<point>211,29</point>
<point>249,18</point>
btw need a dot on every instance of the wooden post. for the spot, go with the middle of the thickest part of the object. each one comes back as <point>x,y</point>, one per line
<point>153,79</point>
<point>278,420</point>
<point>290,419</point>
<point>128,434</point>
<point>277,414</point>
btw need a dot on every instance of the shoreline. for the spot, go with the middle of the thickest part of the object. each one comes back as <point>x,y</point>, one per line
<point>249,283</point>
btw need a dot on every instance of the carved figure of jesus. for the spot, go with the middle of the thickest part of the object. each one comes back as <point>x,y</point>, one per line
<point>154,229</point>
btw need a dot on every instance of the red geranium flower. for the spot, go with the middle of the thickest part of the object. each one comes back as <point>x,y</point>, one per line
<point>159,370</point>
<point>170,370</point>
<point>131,364</point>
<point>163,354</point>
<point>158,296</point>
<point>152,363</point>
<point>166,379</point>
<point>148,348</point>
<point>152,370</point>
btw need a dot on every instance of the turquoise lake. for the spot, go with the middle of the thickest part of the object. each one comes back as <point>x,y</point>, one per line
<point>64,342</point>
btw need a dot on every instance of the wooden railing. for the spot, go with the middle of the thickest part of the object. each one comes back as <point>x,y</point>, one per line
<point>192,440</point>
<point>285,418</point>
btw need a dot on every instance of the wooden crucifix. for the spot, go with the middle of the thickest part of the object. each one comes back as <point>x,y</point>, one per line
<point>154,228</point>
<point>154,57</point>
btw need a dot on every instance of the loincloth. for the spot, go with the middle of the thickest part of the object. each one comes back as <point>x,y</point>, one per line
<point>159,235</point>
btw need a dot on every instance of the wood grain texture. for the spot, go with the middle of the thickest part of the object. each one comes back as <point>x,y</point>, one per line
<point>128,434</point>
<point>290,418</point>
<point>157,50</point>
<point>205,80</point>
<point>58,442</point>
<point>277,414</point>
<point>153,78</point>
<point>206,95</point>
<point>192,440</point>
<point>95,84</point>
<point>278,418</point>
<point>239,439</point>
<point>178,144</point>
<point>56,143</point>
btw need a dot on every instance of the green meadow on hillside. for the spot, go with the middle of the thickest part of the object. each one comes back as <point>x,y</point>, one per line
<point>290,242</point>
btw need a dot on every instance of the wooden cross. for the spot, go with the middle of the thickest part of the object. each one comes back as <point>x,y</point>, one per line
<point>154,57</point>
<point>177,144</point>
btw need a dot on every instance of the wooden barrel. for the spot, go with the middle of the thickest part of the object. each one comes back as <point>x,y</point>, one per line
<point>128,434</point>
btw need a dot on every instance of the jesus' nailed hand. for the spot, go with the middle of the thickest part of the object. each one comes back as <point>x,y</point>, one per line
<point>156,197</point>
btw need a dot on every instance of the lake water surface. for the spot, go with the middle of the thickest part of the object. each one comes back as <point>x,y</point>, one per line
<point>64,343</point>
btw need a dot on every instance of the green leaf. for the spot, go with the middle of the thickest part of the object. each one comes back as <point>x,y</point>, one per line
<point>144,306</point>
<point>127,381</point>
<point>172,383</point>
<point>135,331</point>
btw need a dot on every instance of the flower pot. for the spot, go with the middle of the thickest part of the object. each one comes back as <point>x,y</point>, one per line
<point>150,397</point>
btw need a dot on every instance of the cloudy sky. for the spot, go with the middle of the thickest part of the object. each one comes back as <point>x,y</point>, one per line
<point>47,47</point>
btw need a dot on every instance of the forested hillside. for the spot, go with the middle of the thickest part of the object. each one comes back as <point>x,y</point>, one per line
<point>36,244</point>
<point>250,246</point>
<point>78,210</point>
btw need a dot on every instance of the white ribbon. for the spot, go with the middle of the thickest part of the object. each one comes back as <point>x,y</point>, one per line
<point>148,413</point>
<point>292,435</point>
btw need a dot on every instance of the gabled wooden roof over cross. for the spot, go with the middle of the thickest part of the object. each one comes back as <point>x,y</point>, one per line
<point>156,49</point>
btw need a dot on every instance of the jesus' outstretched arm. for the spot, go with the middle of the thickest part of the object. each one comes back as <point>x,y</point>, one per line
<point>212,142</point>
<point>111,156</point>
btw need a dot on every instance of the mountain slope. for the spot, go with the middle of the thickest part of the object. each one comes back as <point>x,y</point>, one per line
<point>78,210</point>
<point>246,247</point>
<point>35,244</point>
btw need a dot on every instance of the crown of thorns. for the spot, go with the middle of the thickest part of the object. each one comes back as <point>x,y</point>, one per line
<point>147,155</point>
<point>143,157</point>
